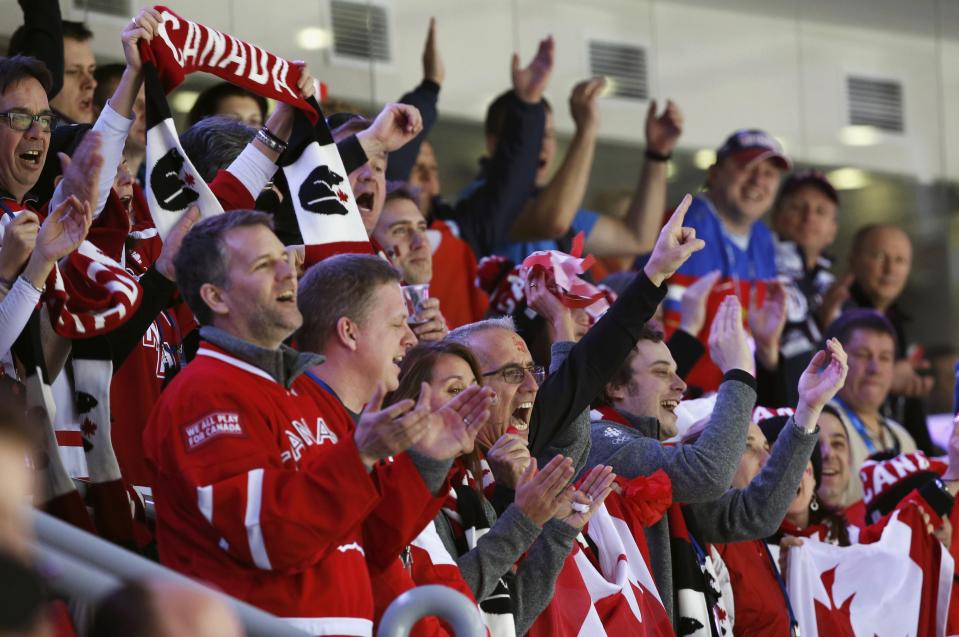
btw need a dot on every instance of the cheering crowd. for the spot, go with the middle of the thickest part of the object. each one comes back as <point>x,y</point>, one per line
<point>268,353</point>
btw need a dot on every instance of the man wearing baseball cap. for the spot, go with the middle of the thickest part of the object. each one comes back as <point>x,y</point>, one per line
<point>804,219</point>
<point>740,188</point>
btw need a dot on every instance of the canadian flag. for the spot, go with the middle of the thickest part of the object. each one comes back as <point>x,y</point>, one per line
<point>899,585</point>
<point>617,598</point>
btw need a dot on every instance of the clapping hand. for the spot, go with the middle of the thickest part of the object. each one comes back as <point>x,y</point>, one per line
<point>728,345</point>
<point>583,502</point>
<point>823,378</point>
<point>453,427</point>
<point>19,239</point>
<point>529,83</point>
<point>382,433</point>
<point>692,305</point>
<point>539,494</point>
<point>81,173</point>
<point>767,322</point>
<point>584,104</point>
<point>62,232</point>
<point>663,131</point>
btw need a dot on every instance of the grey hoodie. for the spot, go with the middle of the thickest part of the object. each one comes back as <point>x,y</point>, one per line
<point>700,472</point>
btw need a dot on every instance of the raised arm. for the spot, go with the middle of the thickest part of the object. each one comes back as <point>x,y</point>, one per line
<point>591,362</point>
<point>424,98</point>
<point>550,214</point>
<point>43,38</point>
<point>636,233</point>
<point>757,510</point>
<point>486,214</point>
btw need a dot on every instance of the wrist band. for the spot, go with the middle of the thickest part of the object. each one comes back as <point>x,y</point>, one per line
<point>270,140</point>
<point>652,155</point>
<point>28,282</point>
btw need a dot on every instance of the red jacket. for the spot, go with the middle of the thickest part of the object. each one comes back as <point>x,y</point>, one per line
<point>454,279</point>
<point>260,491</point>
<point>759,602</point>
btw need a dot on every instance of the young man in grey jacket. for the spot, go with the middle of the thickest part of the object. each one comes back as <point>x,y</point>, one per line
<point>641,402</point>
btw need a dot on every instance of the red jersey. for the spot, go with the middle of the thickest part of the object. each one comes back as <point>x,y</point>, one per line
<point>454,279</point>
<point>260,491</point>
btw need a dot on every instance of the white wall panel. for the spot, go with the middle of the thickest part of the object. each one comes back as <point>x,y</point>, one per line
<point>729,70</point>
<point>779,65</point>
<point>832,53</point>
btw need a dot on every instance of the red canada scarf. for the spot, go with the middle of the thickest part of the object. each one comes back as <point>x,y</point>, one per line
<point>184,46</point>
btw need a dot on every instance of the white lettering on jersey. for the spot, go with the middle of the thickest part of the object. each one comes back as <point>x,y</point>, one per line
<point>352,546</point>
<point>301,437</point>
<point>215,425</point>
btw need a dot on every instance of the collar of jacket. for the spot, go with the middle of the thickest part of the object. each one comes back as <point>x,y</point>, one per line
<point>646,425</point>
<point>283,364</point>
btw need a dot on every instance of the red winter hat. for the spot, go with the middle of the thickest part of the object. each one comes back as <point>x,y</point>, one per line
<point>892,479</point>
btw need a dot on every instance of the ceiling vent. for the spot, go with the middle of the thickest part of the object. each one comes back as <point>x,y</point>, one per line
<point>624,67</point>
<point>876,103</point>
<point>360,30</point>
<point>119,8</point>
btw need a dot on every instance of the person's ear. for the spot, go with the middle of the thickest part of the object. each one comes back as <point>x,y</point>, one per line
<point>347,333</point>
<point>214,299</point>
<point>615,391</point>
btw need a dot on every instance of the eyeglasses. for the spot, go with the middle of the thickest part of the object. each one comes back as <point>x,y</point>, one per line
<point>514,374</point>
<point>23,121</point>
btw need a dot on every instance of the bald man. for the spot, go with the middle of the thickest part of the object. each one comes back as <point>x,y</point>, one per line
<point>880,262</point>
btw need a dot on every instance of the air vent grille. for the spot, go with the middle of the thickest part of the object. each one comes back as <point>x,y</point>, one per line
<point>624,65</point>
<point>360,30</point>
<point>119,8</point>
<point>876,103</point>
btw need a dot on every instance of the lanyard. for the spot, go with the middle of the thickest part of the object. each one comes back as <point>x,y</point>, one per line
<point>793,623</point>
<point>732,260</point>
<point>859,426</point>
<point>7,210</point>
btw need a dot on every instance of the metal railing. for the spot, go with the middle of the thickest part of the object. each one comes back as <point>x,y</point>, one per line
<point>424,601</point>
<point>86,568</point>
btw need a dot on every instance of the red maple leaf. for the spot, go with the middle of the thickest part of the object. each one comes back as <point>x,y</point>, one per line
<point>188,178</point>
<point>342,195</point>
<point>88,427</point>
<point>834,620</point>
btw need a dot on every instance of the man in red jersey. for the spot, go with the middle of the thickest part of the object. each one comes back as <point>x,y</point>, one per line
<point>261,488</point>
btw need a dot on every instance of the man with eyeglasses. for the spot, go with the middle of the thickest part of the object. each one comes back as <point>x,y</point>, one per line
<point>25,124</point>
